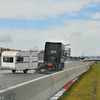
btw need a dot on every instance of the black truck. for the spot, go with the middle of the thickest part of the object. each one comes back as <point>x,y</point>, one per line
<point>54,56</point>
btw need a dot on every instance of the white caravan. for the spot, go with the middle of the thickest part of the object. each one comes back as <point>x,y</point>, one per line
<point>19,60</point>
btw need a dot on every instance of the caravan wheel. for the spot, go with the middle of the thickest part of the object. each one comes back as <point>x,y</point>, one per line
<point>25,71</point>
<point>13,71</point>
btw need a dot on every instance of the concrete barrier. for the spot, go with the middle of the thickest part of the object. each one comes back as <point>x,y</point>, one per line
<point>59,80</point>
<point>78,70</point>
<point>32,90</point>
<point>42,88</point>
<point>71,73</point>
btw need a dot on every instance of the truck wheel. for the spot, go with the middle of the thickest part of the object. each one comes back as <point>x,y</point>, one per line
<point>54,67</point>
<point>57,66</point>
<point>25,71</point>
<point>13,71</point>
<point>61,66</point>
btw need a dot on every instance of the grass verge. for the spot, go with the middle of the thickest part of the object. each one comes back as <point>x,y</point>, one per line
<point>87,87</point>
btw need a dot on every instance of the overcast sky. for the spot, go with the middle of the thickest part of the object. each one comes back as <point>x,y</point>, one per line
<point>28,23</point>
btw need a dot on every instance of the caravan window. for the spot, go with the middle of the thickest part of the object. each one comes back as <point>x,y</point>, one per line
<point>20,59</point>
<point>8,59</point>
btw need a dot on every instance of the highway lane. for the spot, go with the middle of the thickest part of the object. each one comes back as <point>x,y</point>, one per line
<point>8,79</point>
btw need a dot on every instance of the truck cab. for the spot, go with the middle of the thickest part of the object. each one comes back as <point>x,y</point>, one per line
<point>54,56</point>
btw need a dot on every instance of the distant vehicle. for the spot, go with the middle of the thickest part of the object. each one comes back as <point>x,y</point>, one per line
<point>54,56</point>
<point>19,60</point>
<point>91,59</point>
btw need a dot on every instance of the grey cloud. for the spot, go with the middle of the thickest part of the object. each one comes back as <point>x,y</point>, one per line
<point>76,34</point>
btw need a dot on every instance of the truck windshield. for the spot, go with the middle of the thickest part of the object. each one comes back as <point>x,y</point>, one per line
<point>8,59</point>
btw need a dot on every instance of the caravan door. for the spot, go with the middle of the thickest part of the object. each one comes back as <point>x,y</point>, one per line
<point>30,61</point>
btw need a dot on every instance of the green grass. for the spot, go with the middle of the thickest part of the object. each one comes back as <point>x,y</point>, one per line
<point>87,87</point>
